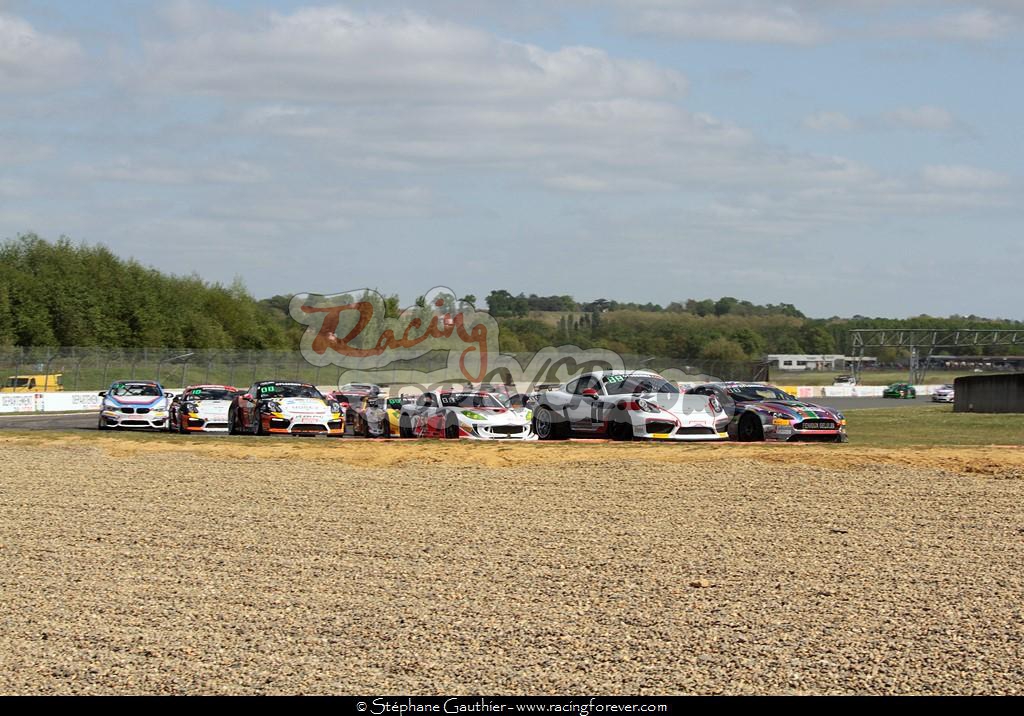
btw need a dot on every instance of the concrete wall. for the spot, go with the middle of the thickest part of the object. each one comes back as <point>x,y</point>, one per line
<point>989,394</point>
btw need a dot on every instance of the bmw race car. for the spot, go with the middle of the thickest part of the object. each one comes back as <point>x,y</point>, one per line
<point>284,407</point>
<point>763,412</point>
<point>627,405</point>
<point>201,408</point>
<point>465,414</point>
<point>134,404</point>
<point>944,394</point>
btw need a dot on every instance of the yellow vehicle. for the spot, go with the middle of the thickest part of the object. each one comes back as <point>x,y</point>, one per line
<point>52,383</point>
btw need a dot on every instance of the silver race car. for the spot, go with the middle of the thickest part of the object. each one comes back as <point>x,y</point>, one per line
<point>627,405</point>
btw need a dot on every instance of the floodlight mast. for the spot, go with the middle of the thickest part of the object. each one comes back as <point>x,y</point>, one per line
<point>926,338</point>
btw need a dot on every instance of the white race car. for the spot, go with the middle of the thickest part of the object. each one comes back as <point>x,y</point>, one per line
<point>273,407</point>
<point>473,415</point>
<point>943,394</point>
<point>627,405</point>
<point>134,404</point>
<point>201,408</point>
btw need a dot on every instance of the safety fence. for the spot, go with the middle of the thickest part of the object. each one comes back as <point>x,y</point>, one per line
<point>91,369</point>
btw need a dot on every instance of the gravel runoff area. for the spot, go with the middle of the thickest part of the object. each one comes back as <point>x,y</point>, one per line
<point>312,567</point>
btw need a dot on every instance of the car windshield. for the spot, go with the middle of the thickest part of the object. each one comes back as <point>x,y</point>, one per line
<point>469,400</point>
<point>628,384</point>
<point>132,389</point>
<point>16,382</point>
<point>741,393</point>
<point>288,390</point>
<point>350,398</point>
<point>209,394</point>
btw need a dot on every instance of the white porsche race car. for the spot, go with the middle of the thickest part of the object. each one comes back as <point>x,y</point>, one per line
<point>627,405</point>
<point>472,415</point>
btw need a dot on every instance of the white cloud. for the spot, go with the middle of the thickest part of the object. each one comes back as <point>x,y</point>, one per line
<point>166,171</point>
<point>949,176</point>
<point>333,54</point>
<point>811,22</point>
<point>31,60</point>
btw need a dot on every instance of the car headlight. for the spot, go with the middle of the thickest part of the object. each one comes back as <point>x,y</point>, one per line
<point>191,408</point>
<point>273,406</point>
<point>472,415</point>
<point>647,407</point>
<point>529,415</point>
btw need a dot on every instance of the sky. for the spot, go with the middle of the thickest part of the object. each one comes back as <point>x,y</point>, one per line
<point>848,157</point>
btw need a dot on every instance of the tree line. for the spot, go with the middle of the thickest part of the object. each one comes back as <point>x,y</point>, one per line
<point>726,329</point>
<point>65,294</point>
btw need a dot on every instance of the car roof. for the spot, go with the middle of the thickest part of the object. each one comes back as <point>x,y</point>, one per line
<point>600,373</point>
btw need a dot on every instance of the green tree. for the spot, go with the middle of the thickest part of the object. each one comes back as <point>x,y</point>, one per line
<point>724,350</point>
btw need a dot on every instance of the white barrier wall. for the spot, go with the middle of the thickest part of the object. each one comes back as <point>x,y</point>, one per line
<point>49,402</point>
<point>17,402</point>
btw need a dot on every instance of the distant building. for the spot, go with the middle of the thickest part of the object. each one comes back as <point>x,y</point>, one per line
<point>787,361</point>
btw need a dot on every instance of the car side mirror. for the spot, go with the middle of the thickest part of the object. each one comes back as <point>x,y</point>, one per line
<point>102,394</point>
<point>590,393</point>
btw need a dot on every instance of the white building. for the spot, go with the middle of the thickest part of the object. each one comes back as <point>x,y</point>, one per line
<point>807,362</point>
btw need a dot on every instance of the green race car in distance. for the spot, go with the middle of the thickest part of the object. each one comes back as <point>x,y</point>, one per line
<point>900,390</point>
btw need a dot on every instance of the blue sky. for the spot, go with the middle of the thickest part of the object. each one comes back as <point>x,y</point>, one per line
<point>851,157</point>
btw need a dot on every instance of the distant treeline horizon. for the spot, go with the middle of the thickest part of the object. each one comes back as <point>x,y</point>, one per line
<point>66,294</point>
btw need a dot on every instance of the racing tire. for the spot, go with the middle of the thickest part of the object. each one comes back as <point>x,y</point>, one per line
<point>545,427</point>
<point>620,431</point>
<point>750,430</point>
<point>365,432</point>
<point>451,427</point>
<point>404,427</point>
<point>181,427</point>
<point>257,429</point>
<point>102,424</point>
<point>233,427</point>
<point>842,438</point>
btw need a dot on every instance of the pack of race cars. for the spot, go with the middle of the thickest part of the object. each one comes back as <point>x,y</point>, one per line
<point>617,405</point>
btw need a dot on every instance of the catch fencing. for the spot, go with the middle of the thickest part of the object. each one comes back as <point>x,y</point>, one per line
<point>92,369</point>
